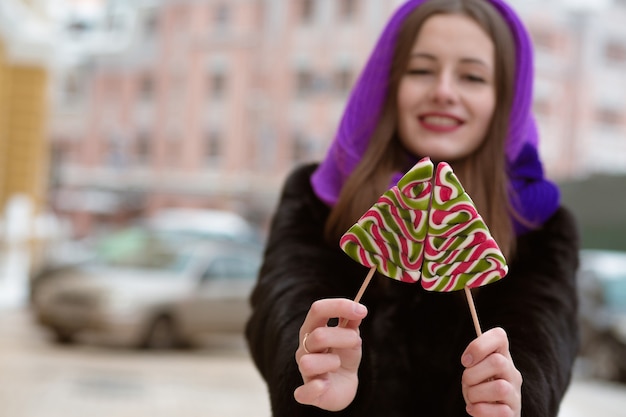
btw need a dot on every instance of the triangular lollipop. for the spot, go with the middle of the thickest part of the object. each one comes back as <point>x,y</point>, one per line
<point>454,250</point>
<point>390,235</point>
<point>459,251</point>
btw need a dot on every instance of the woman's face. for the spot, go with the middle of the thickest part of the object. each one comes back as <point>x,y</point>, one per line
<point>447,95</point>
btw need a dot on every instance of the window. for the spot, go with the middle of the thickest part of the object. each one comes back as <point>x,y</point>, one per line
<point>115,155</point>
<point>142,148</point>
<point>615,52</point>
<point>307,82</point>
<point>222,16</point>
<point>73,91</point>
<point>232,268</point>
<point>541,107</point>
<point>301,148</point>
<point>213,148</point>
<point>609,117</point>
<point>544,38</point>
<point>343,80</point>
<point>217,85</point>
<point>146,88</point>
<point>150,22</point>
<point>173,149</point>
<point>347,9</point>
<point>304,82</point>
<point>307,10</point>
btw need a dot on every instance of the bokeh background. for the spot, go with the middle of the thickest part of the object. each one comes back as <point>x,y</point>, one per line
<point>114,111</point>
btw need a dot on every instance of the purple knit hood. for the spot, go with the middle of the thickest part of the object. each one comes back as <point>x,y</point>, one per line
<point>536,199</point>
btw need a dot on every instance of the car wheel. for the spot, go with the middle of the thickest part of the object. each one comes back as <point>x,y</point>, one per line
<point>604,360</point>
<point>162,334</point>
<point>63,337</point>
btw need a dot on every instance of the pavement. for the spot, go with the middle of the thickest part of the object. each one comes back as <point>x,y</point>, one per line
<point>41,379</point>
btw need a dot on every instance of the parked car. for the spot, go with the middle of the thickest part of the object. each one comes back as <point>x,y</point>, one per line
<point>171,223</point>
<point>142,290</point>
<point>602,289</point>
<point>208,224</point>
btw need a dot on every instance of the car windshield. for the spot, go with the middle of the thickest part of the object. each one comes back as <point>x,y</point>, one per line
<point>615,293</point>
<point>610,269</point>
<point>243,266</point>
<point>139,248</point>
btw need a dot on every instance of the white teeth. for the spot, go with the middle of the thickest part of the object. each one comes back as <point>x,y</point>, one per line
<point>441,121</point>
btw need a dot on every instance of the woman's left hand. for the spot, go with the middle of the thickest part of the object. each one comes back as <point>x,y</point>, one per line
<point>492,385</point>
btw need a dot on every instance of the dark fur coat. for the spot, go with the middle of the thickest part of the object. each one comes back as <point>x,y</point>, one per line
<point>413,339</point>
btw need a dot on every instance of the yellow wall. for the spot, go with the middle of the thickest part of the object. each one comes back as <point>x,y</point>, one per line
<point>23,148</point>
<point>3,125</point>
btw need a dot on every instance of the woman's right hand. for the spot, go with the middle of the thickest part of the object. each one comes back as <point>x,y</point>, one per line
<point>328,357</point>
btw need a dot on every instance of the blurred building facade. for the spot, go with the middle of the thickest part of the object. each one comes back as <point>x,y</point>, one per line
<point>23,102</point>
<point>580,99</point>
<point>210,103</point>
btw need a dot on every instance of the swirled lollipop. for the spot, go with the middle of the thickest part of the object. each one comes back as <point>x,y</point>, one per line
<point>416,231</point>
<point>459,251</point>
<point>390,235</point>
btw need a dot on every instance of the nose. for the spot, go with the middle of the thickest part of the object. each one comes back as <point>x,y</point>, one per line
<point>444,90</point>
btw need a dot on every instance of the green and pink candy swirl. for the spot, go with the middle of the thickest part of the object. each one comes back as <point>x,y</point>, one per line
<point>416,231</point>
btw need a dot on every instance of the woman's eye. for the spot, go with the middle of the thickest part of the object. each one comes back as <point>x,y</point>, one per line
<point>418,71</point>
<point>474,78</point>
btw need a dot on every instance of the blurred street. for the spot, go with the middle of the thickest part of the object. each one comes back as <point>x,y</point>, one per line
<point>41,379</point>
<point>120,113</point>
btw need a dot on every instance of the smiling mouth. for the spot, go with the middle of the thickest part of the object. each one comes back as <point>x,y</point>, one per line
<point>440,121</point>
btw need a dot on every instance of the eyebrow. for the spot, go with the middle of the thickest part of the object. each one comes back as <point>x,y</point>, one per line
<point>468,60</point>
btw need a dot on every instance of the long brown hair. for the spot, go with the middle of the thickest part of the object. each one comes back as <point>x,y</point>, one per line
<point>483,174</point>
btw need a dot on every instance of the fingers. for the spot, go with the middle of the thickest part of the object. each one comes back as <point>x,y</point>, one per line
<point>326,393</point>
<point>328,357</point>
<point>317,337</point>
<point>488,357</point>
<point>493,366</point>
<point>311,392</point>
<point>324,338</point>
<point>491,383</point>
<point>490,410</point>
<point>323,310</point>
<point>494,391</point>
<point>493,340</point>
<point>318,364</point>
<point>317,318</point>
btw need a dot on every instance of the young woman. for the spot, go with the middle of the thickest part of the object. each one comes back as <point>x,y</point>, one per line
<point>451,80</point>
